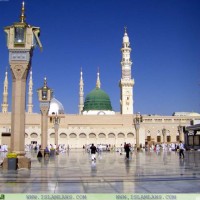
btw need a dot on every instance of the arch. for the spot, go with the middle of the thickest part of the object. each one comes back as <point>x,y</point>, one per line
<point>73,135</point>
<point>111,135</point>
<point>34,135</point>
<point>63,135</point>
<point>82,135</point>
<point>52,135</point>
<point>26,135</point>
<point>130,135</point>
<point>92,135</point>
<point>148,133</point>
<point>101,113</point>
<point>121,135</point>
<point>102,135</point>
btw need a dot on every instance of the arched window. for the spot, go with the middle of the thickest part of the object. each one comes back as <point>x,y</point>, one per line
<point>72,135</point>
<point>82,135</point>
<point>111,135</point>
<point>92,135</point>
<point>102,135</point>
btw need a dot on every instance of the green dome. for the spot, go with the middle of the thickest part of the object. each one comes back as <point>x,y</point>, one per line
<point>97,99</point>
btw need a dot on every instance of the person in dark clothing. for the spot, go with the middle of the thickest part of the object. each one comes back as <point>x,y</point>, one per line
<point>127,150</point>
<point>181,150</point>
<point>93,152</point>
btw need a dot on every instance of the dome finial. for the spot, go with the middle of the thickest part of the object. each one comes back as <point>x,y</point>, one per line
<point>81,73</point>
<point>45,81</point>
<point>125,31</point>
<point>98,84</point>
<point>22,16</point>
<point>6,70</point>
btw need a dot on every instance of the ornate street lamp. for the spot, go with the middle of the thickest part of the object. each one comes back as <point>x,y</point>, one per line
<point>21,41</point>
<point>137,120</point>
<point>44,96</point>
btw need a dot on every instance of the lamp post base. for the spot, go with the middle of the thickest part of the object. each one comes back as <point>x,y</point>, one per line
<point>22,162</point>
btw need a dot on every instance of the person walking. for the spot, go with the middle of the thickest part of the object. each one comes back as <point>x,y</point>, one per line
<point>127,150</point>
<point>181,150</point>
<point>93,152</point>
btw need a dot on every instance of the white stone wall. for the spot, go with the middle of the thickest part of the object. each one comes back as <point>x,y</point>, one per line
<point>78,130</point>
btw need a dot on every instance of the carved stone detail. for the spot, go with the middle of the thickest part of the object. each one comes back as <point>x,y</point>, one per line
<point>19,71</point>
<point>44,107</point>
<point>19,55</point>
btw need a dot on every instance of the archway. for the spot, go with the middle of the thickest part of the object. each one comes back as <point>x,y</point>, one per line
<point>72,140</point>
<point>121,139</point>
<point>101,138</point>
<point>92,138</point>
<point>82,140</point>
<point>62,139</point>
<point>111,139</point>
<point>34,138</point>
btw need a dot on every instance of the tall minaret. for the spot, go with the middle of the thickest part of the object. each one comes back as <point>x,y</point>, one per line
<point>98,83</point>
<point>126,82</point>
<point>4,105</point>
<point>30,94</point>
<point>81,93</point>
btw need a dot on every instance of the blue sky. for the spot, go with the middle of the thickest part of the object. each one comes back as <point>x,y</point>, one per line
<point>165,41</point>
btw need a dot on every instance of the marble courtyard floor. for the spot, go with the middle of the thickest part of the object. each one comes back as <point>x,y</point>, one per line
<point>74,172</point>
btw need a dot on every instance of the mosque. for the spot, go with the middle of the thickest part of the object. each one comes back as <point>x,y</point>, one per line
<point>96,121</point>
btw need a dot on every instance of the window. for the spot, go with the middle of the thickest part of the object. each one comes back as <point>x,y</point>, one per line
<point>19,35</point>
<point>158,138</point>
<point>168,138</point>
<point>177,138</point>
<point>148,138</point>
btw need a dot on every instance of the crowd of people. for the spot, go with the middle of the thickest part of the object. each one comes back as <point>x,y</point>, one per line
<point>164,147</point>
<point>126,148</point>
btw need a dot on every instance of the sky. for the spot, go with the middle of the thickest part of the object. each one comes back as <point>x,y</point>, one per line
<point>165,42</point>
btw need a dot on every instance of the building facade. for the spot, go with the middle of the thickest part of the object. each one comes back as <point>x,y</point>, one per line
<point>78,130</point>
<point>96,122</point>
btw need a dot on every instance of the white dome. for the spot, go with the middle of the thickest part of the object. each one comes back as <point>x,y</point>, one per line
<point>56,107</point>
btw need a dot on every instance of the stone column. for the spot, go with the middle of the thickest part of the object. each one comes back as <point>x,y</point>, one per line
<point>164,134</point>
<point>56,135</point>
<point>19,75</point>
<point>181,134</point>
<point>44,108</point>
<point>137,138</point>
<point>137,120</point>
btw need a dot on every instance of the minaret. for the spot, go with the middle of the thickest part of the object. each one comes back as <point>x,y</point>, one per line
<point>30,94</point>
<point>98,83</point>
<point>81,93</point>
<point>126,82</point>
<point>4,105</point>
